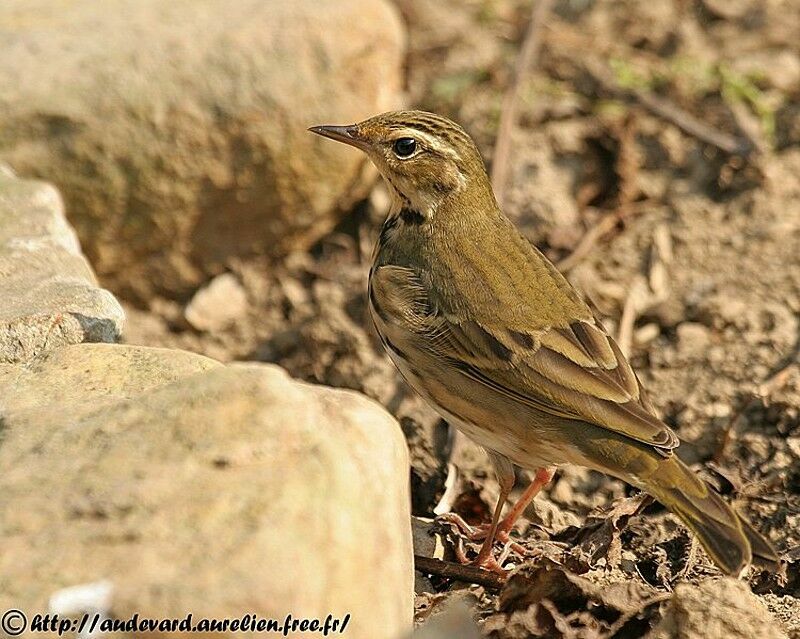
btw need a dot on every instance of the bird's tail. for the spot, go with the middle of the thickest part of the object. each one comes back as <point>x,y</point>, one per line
<point>729,539</point>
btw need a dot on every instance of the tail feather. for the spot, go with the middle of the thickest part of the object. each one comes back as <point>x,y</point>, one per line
<point>726,536</point>
<point>731,541</point>
<point>761,549</point>
<point>725,542</point>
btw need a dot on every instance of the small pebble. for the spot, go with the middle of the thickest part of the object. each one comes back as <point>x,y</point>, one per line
<point>217,305</point>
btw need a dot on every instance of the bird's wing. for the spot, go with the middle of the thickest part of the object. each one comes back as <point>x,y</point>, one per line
<point>575,371</point>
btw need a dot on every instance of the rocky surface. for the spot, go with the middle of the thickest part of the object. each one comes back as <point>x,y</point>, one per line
<point>716,609</point>
<point>177,131</point>
<point>691,263</point>
<point>453,622</point>
<point>175,480</point>
<point>49,296</point>
<point>140,480</point>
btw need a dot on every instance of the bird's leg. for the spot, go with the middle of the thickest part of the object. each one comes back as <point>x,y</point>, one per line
<point>505,476</point>
<point>539,481</point>
<point>479,533</point>
<point>499,530</point>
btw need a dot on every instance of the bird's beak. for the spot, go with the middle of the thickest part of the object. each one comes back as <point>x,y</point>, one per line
<point>347,134</point>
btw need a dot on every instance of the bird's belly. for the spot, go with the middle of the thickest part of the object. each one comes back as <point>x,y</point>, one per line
<point>494,423</point>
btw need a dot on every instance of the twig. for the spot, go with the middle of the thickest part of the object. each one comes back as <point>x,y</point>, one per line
<point>626,166</point>
<point>508,111</point>
<point>460,572</point>
<point>690,125</point>
<point>749,127</point>
<point>624,619</point>
<point>727,431</point>
<point>645,292</point>
<point>604,225</point>
<point>670,112</point>
<point>630,312</point>
<point>445,504</point>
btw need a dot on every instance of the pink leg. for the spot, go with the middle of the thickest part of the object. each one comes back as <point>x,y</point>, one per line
<point>485,555</point>
<point>500,529</point>
<point>542,477</point>
<point>504,470</point>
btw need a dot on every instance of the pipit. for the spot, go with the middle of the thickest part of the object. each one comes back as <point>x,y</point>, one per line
<point>485,328</point>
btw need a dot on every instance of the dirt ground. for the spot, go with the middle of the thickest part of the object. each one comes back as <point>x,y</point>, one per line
<point>697,272</point>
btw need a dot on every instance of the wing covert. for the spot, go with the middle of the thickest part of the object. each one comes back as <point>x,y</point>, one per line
<point>575,371</point>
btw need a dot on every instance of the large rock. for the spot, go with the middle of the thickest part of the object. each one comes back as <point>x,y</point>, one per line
<point>48,294</point>
<point>177,130</point>
<point>170,483</point>
<point>716,609</point>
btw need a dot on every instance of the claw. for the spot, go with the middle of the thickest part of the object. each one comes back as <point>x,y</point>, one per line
<point>494,565</point>
<point>477,534</point>
<point>473,533</point>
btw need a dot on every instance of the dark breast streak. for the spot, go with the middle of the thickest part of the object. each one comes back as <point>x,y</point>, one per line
<point>389,225</point>
<point>410,216</point>
<point>407,216</point>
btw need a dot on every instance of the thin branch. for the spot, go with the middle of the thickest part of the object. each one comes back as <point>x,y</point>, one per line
<point>672,113</point>
<point>604,225</point>
<point>628,319</point>
<point>728,430</point>
<point>459,572</point>
<point>690,125</point>
<point>508,113</point>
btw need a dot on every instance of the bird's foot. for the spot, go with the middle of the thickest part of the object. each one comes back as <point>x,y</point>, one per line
<point>473,533</point>
<point>485,558</point>
<point>481,531</point>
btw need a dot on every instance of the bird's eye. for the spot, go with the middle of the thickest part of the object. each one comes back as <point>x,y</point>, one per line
<point>405,147</point>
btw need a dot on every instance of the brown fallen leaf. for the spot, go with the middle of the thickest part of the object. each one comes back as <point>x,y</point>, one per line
<point>598,538</point>
<point>545,599</point>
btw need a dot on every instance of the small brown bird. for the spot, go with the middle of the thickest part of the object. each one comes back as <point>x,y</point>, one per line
<point>484,327</point>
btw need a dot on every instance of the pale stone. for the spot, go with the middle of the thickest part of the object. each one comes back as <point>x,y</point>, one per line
<point>451,620</point>
<point>191,486</point>
<point>716,609</point>
<point>177,131</point>
<point>693,340</point>
<point>217,305</point>
<point>49,296</point>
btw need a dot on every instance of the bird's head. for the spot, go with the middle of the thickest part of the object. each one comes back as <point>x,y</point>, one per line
<point>424,158</point>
